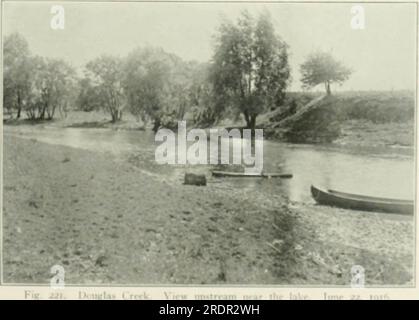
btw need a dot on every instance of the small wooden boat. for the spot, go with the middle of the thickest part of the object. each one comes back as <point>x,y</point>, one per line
<point>217,173</point>
<point>359,202</point>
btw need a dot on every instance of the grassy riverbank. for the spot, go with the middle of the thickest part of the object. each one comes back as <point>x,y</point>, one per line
<point>349,118</point>
<point>107,221</point>
<point>81,119</point>
<point>367,119</point>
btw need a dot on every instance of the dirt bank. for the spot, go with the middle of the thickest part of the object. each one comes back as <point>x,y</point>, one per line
<point>106,221</point>
<point>348,118</point>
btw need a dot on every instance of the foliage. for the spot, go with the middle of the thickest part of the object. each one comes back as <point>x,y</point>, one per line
<point>88,98</point>
<point>322,68</point>
<point>206,106</point>
<point>17,73</point>
<point>53,88</point>
<point>250,70</point>
<point>106,75</point>
<point>37,85</point>
<point>157,86</point>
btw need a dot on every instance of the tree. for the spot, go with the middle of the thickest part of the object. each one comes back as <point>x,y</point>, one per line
<point>88,98</point>
<point>206,106</point>
<point>34,84</point>
<point>53,88</point>
<point>17,73</point>
<point>250,66</point>
<point>106,75</point>
<point>322,68</point>
<point>156,84</point>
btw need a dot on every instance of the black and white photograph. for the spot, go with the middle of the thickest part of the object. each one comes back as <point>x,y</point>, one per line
<point>209,144</point>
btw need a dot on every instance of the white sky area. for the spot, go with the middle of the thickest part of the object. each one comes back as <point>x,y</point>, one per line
<point>383,55</point>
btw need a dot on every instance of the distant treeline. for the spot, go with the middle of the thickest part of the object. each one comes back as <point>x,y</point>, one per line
<point>248,75</point>
<point>150,83</point>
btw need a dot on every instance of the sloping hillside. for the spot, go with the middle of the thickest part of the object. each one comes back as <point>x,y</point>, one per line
<point>327,118</point>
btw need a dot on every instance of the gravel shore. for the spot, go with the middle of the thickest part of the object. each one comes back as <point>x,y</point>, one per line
<point>107,222</point>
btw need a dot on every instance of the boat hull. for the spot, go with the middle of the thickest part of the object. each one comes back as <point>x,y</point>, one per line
<point>364,203</point>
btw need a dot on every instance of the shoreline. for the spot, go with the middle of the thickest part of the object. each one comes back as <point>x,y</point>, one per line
<point>104,221</point>
<point>354,133</point>
<point>91,217</point>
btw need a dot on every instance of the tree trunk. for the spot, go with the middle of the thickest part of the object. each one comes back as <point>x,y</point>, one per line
<point>51,114</point>
<point>19,105</point>
<point>116,115</point>
<point>31,113</point>
<point>328,91</point>
<point>42,115</point>
<point>156,125</point>
<point>246,118</point>
<point>195,179</point>
<point>251,122</point>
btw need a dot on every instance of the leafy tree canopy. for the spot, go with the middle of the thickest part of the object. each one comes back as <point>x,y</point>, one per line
<point>250,66</point>
<point>322,68</point>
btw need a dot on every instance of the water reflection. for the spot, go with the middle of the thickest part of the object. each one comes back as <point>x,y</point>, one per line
<point>386,172</point>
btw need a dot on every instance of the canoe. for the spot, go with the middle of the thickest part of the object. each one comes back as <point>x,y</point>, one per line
<point>217,173</point>
<point>359,202</point>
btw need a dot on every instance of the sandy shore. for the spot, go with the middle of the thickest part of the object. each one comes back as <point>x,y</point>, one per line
<point>106,221</point>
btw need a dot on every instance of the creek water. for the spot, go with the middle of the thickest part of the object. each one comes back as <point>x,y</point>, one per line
<point>377,171</point>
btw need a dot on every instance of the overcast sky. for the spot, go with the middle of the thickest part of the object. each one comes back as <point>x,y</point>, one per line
<point>383,55</point>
